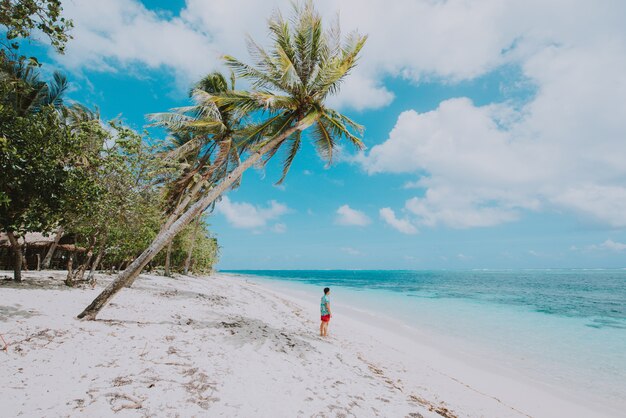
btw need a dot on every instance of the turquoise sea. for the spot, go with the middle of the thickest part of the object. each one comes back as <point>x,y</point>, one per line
<point>560,327</point>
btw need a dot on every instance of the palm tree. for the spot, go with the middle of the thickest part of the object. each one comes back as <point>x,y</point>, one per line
<point>202,142</point>
<point>291,82</point>
<point>27,92</point>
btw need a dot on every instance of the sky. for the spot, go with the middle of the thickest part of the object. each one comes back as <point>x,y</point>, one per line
<point>495,129</point>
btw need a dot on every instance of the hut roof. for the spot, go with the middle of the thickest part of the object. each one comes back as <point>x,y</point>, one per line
<point>29,238</point>
<point>37,239</point>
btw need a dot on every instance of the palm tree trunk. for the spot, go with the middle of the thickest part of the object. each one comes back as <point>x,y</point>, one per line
<point>168,257</point>
<point>183,204</point>
<point>191,245</point>
<point>17,256</point>
<point>48,258</point>
<point>191,213</point>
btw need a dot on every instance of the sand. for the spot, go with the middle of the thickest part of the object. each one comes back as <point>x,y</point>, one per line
<point>227,346</point>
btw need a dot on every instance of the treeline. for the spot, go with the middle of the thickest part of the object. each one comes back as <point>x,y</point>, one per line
<point>65,172</point>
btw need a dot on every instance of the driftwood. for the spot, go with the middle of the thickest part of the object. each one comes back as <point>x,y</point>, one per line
<point>6,346</point>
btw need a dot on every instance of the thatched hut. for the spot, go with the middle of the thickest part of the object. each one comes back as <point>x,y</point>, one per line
<point>35,247</point>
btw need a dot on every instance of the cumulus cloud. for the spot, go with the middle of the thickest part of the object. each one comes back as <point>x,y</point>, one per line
<point>351,217</point>
<point>484,165</point>
<point>120,34</point>
<point>248,216</point>
<point>402,225</point>
<point>449,41</point>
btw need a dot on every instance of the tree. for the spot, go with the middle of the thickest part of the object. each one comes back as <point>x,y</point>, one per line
<point>292,81</point>
<point>202,143</point>
<point>22,17</point>
<point>123,214</point>
<point>39,173</point>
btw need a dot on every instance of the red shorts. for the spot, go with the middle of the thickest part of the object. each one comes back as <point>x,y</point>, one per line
<point>325,318</point>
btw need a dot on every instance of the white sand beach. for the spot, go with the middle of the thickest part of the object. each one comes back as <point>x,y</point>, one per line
<point>227,346</point>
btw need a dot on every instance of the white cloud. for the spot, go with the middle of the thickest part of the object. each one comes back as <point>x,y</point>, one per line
<point>609,245</point>
<point>123,34</point>
<point>350,251</point>
<point>402,225</point>
<point>247,216</point>
<point>360,92</point>
<point>486,164</point>
<point>351,217</point>
<point>448,41</point>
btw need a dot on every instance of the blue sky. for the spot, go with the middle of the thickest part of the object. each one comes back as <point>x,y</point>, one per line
<point>495,131</point>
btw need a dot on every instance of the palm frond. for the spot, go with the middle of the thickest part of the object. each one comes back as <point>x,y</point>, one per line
<point>294,147</point>
<point>56,90</point>
<point>323,140</point>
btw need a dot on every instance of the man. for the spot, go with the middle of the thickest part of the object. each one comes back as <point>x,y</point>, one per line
<point>325,310</point>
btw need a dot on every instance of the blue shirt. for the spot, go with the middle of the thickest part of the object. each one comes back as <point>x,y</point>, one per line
<point>323,309</point>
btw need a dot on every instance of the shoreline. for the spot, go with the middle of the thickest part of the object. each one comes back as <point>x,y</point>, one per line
<point>503,381</point>
<point>223,346</point>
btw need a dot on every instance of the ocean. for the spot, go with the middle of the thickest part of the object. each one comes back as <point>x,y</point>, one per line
<point>560,327</point>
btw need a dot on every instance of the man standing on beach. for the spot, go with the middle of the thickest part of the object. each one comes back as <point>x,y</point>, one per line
<point>325,309</point>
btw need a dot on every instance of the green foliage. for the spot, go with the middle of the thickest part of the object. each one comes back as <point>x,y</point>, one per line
<point>62,166</point>
<point>22,17</point>
<point>205,250</point>
<point>40,170</point>
<point>126,212</point>
<point>23,89</point>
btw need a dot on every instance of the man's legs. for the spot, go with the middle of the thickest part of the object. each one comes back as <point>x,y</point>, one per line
<point>322,329</point>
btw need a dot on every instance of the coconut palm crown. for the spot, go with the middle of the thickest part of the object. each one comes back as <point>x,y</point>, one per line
<point>201,137</point>
<point>291,81</point>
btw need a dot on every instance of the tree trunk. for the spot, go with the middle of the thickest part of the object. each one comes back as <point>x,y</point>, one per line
<point>38,262</point>
<point>94,266</point>
<point>191,245</point>
<point>80,272</point>
<point>69,280</point>
<point>168,256</point>
<point>24,262</point>
<point>17,256</point>
<point>163,238</point>
<point>48,258</point>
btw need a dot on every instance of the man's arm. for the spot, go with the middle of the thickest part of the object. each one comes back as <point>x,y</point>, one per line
<point>328,308</point>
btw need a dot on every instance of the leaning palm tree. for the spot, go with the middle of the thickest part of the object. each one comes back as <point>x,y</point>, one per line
<point>291,82</point>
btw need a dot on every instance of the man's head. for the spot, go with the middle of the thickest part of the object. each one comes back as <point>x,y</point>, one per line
<point>326,290</point>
